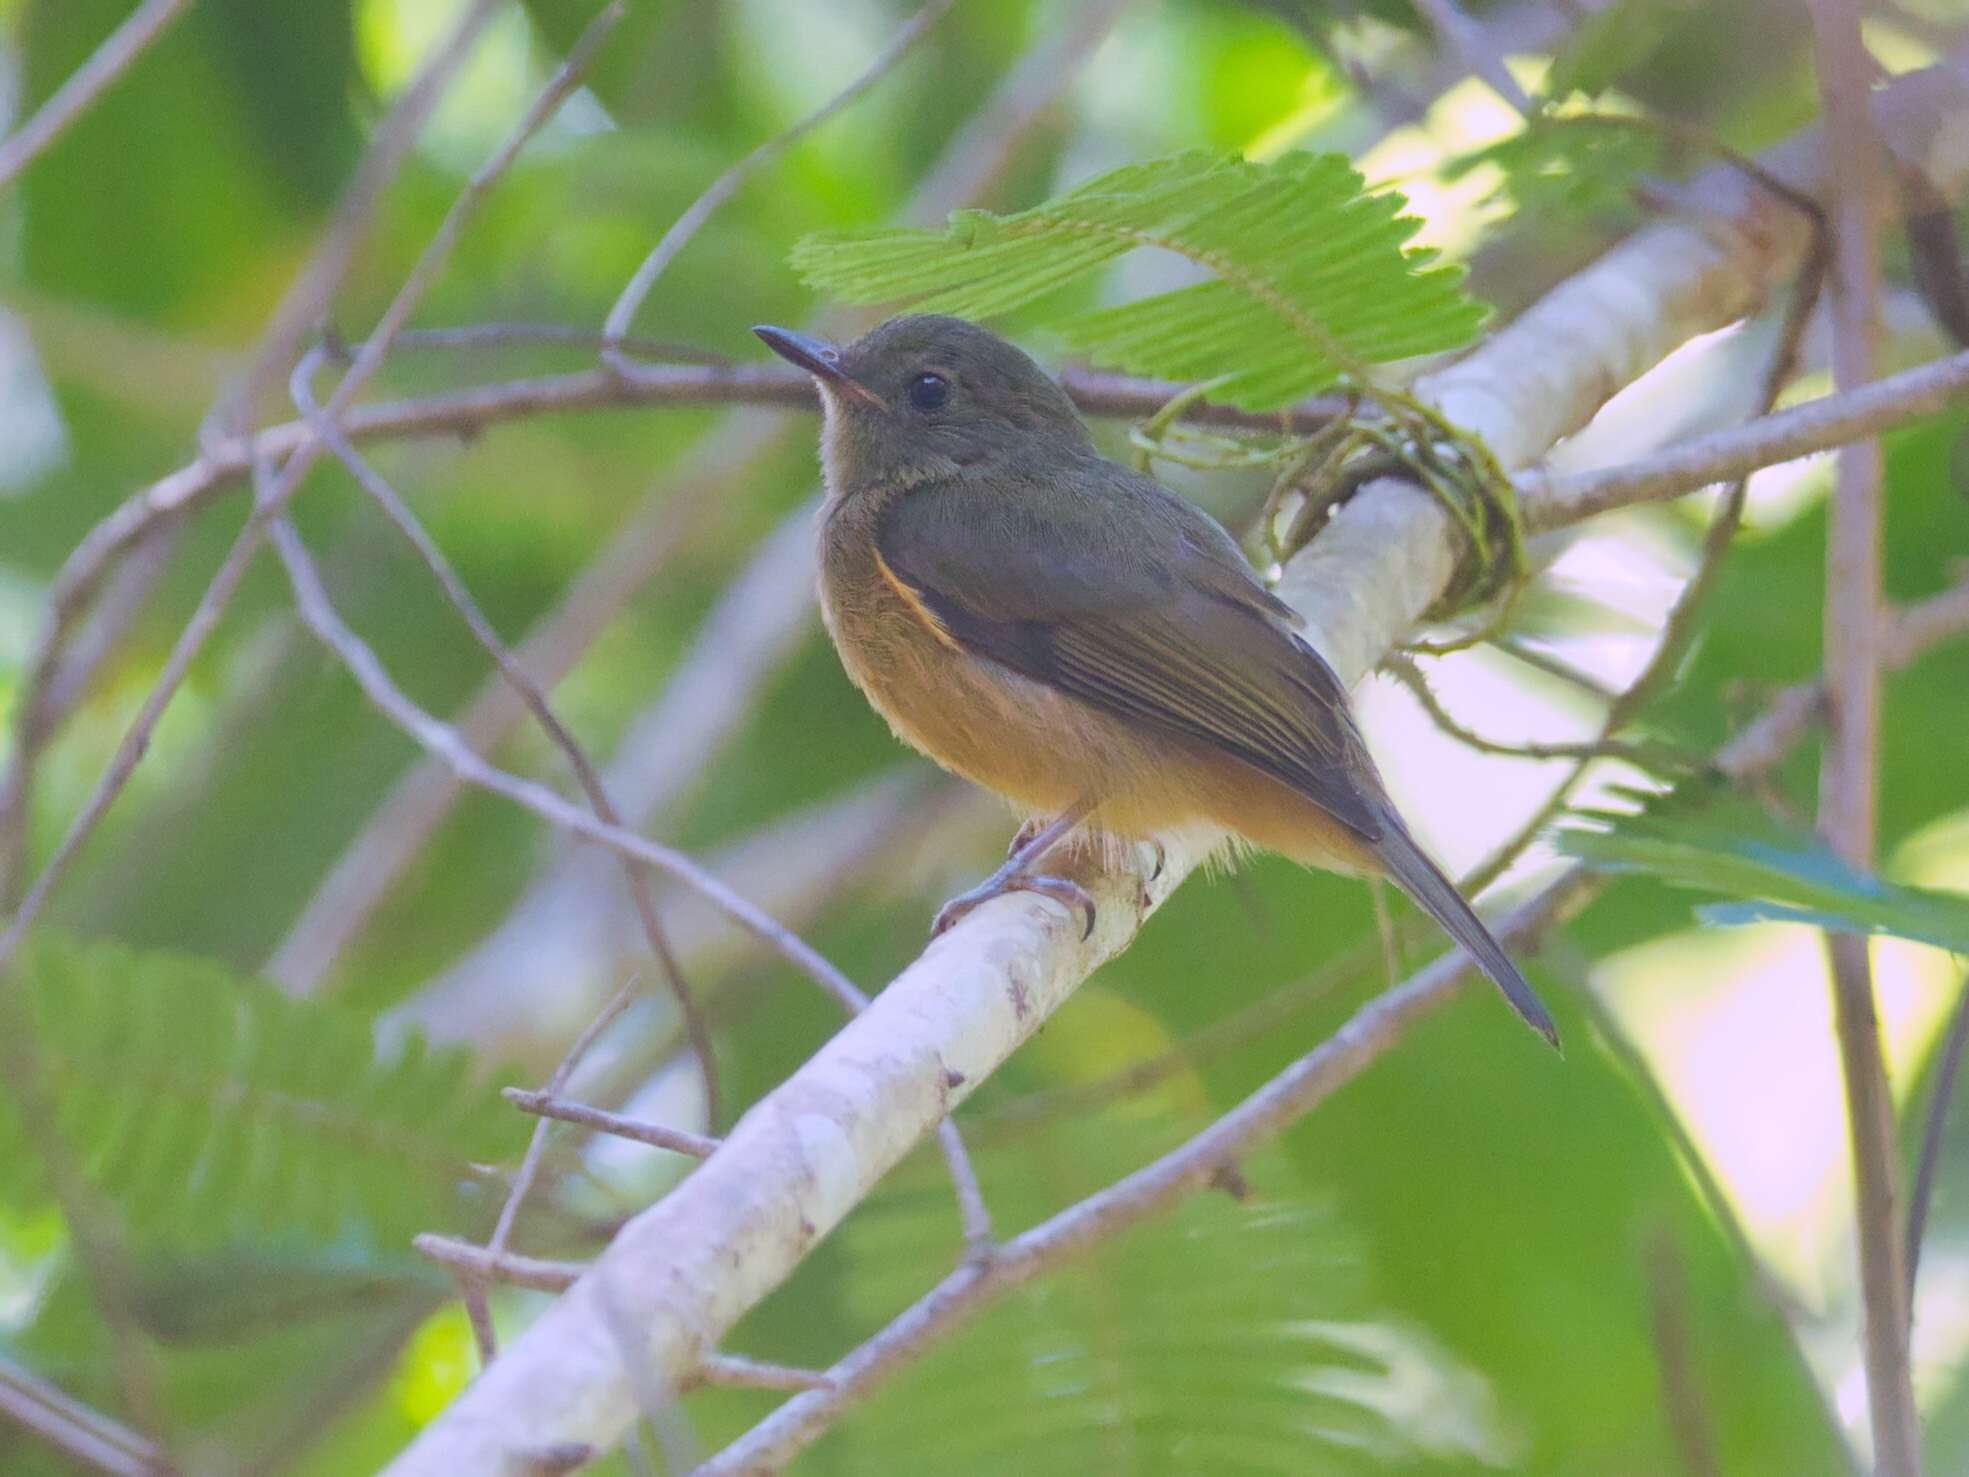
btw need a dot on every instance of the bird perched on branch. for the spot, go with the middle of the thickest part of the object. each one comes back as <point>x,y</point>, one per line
<point>1076,637</point>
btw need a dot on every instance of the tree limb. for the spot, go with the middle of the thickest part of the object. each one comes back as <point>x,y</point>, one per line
<point>1854,608</point>
<point>681,1273</point>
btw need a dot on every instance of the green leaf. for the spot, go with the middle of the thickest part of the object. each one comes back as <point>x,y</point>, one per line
<point>1566,165</point>
<point>1611,43</point>
<point>1795,880</point>
<point>209,1108</point>
<point>1236,1336</point>
<point>1313,275</point>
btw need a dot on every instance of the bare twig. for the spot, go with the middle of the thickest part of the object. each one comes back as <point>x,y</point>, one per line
<point>80,1432</point>
<point>677,1140</point>
<point>750,1374</point>
<point>1473,48</point>
<point>533,1272</point>
<point>623,313</point>
<point>1642,754</point>
<point>1151,1190</point>
<point>1552,500</point>
<point>516,676</point>
<point>119,50</point>
<point>306,302</point>
<point>442,741</point>
<point>47,704</point>
<point>977,157</point>
<point>874,1089</point>
<point>667,519</point>
<point>1681,1386</point>
<point>1934,1129</point>
<point>536,1146</point>
<point>754,625</point>
<point>279,487</point>
<point>1853,623</point>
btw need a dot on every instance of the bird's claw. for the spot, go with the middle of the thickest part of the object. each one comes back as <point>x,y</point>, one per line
<point>1022,838</point>
<point>1060,889</point>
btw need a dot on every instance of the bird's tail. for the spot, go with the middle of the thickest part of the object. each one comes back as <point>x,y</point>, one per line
<point>1437,896</point>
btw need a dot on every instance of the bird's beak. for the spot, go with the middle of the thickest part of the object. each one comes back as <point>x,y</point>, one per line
<point>819,358</point>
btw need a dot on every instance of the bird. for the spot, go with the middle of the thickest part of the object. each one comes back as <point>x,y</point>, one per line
<point>1072,635</point>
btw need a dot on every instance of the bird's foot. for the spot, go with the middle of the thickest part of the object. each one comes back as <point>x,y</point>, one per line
<point>1024,836</point>
<point>1009,879</point>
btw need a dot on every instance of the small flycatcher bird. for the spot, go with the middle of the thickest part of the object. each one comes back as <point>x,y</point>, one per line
<point>1071,634</point>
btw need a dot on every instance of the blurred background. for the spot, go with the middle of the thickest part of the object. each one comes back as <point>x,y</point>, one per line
<point>1478,1257</point>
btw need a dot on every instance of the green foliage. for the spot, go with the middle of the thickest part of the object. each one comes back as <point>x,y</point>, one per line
<point>1313,279</point>
<point>1238,1336</point>
<point>1794,879</point>
<point>1566,165</point>
<point>1612,41</point>
<point>208,1108</point>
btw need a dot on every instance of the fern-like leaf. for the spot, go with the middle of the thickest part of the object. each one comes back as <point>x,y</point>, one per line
<point>1313,274</point>
<point>208,1108</point>
<point>1232,1338</point>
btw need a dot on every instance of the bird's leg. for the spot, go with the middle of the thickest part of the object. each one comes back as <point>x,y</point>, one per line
<point>1014,876</point>
<point>1022,838</point>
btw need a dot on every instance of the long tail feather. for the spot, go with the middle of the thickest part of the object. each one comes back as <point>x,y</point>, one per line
<point>1437,896</point>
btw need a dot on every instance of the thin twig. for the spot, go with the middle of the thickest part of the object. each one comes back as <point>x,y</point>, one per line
<point>638,1131</point>
<point>670,517</point>
<point>1681,1387</point>
<point>1853,624</point>
<point>439,739</point>
<point>268,500</point>
<point>734,651</point>
<point>1184,1171</point>
<point>536,1147</point>
<point>1644,755</point>
<point>1553,500</point>
<point>1473,48</point>
<point>537,1273</point>
<point>305,304</point>
<point>547,1105</point>
<point>514,672</point>
<point>738,1372</point>
<point>1934,1128</point>
<point>109,61</point>
<point>80,1432</point>
<point>623,313</point>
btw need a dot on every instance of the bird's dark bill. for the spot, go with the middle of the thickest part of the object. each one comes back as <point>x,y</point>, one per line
<point>818,357</point>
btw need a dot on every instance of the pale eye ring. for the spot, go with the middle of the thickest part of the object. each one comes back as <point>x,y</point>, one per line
<point>928,391</point>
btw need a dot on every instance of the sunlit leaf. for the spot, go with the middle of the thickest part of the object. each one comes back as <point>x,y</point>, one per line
<point>1797,879</point>
<point>1313,277</point>
<point>208,1107</point>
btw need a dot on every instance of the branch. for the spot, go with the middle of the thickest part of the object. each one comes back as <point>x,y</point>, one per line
<point>1554,499</point>
<point>1853,611</point>
<point>78,1431</point>
<point>281,486</point>
<point>681,1273</point>
<point>622,314</point>
<point>1152,1190</point>
<point>734,652</point>
<point>535,700</point>
<point>676,1140</point>
<point>305,304</point>
<point>119,50</point>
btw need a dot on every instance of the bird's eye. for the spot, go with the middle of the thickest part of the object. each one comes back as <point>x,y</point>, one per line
<point>928,391</point>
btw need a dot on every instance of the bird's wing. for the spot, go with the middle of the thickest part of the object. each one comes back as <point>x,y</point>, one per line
<point>1124,596</point>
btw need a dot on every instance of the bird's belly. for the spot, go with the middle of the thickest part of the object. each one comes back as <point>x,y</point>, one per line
<point>1045,751</point>
<point>973,717</point>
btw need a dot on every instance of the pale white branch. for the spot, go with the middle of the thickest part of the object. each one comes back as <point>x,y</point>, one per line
<point>684,1271</point>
